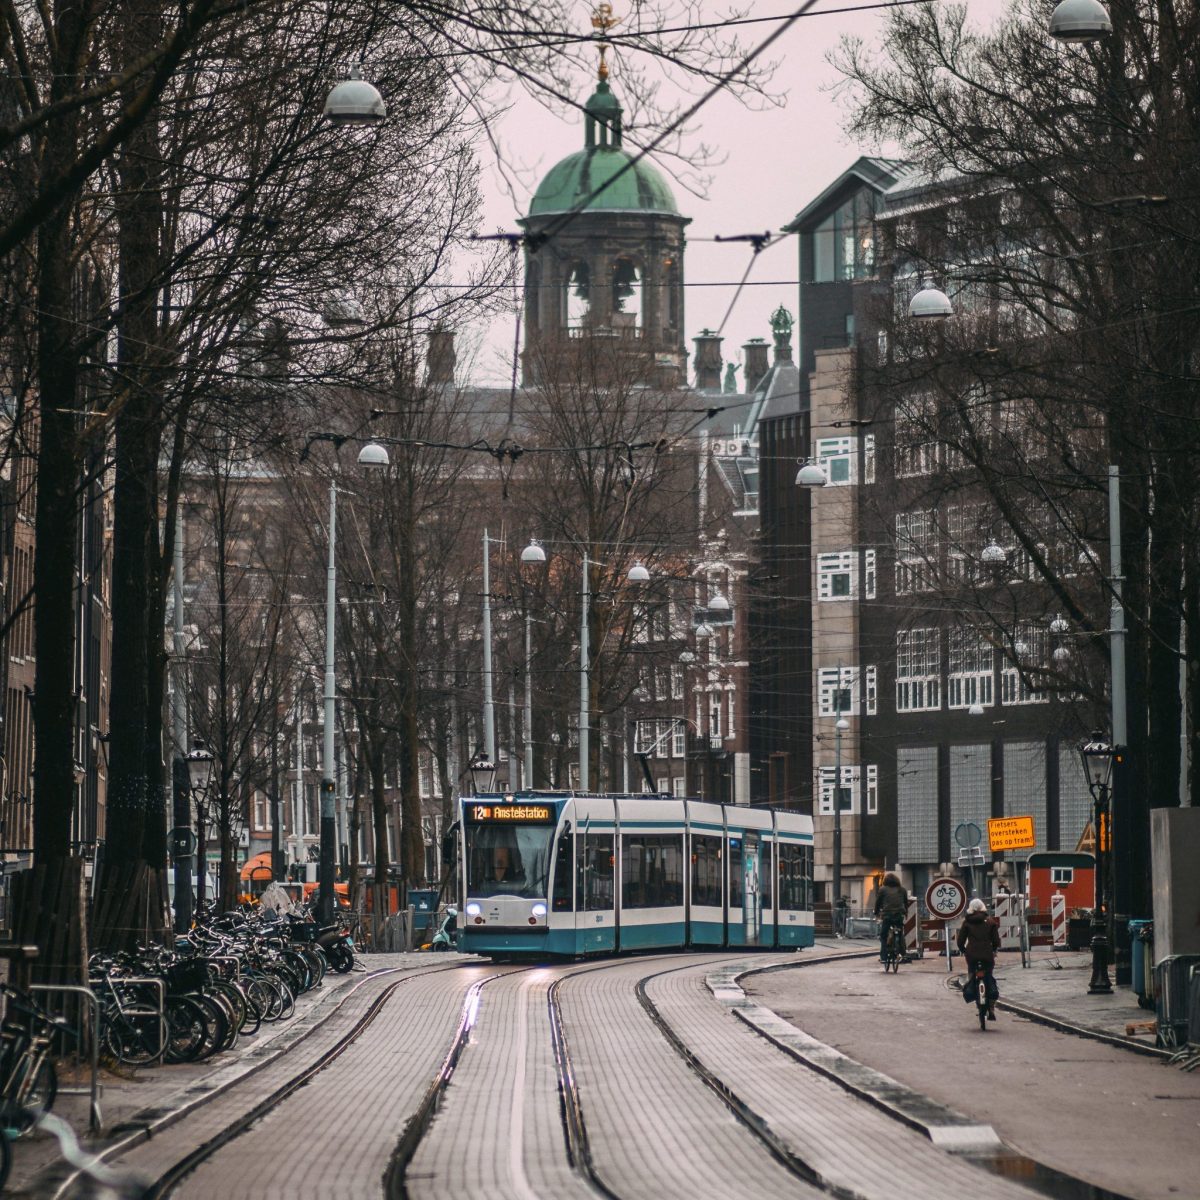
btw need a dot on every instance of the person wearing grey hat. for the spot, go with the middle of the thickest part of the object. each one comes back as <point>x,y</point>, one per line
<point>979,939</point>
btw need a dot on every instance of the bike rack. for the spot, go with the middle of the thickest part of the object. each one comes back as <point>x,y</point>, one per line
<point>95,1122</point>
<point>160,987</point>
<point>228,958</point>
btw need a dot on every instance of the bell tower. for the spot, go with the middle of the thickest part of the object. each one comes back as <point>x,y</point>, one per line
<point>604,248</point>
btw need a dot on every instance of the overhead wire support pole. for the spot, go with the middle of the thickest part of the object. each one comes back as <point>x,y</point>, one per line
<point>584,677</point>
<point>328,852</point>
<point>180,779</point>
<point>528,715</point>
<point>489,704</point>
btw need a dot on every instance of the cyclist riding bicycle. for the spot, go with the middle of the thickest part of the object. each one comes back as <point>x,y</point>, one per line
<point>891,904</point>
<point>979,939</point>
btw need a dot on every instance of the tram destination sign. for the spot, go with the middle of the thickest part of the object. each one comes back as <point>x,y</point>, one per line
<point>510,814</point>
<point>1011,833</point>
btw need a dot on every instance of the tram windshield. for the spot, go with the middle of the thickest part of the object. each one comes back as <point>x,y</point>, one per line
<point>508,860</point>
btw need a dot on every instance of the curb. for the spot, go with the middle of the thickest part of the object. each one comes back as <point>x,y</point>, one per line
<point>1083,1031</point>
<point>949,1130</point>
<point>55,1181</point>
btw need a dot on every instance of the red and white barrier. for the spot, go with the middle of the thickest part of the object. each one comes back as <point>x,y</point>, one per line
<point>1058,919</point>
<point>912,927</point>
<point>1007,910</point>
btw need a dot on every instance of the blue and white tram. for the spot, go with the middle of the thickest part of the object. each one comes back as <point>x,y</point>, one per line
<point>555,874</point>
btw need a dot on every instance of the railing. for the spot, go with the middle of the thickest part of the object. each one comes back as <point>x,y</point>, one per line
<point>95,1122</point>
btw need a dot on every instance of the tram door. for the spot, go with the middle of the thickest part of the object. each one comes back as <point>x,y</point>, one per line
<point>751,889</point>
<point>595,893</point>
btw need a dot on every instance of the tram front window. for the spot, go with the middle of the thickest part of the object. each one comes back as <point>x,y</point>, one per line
<point>508,860</point>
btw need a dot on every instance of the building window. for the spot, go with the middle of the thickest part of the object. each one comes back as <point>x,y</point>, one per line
<point>843,244</point>
<point>679,786</point>
<point>918,670</point>
<point>837,691</point>
<point>851,789</point>
<point>663,740</point>
<point>869,458</point>
<point>916,436</point>
<point>870,691</point>
<point>836,457</point>
<point>676,683</point>
<point>1029,645</point>
<point>969,678</point>
<point>869,574</point>
<point>1062,876</point>
<point>916,552</point>
<point>714,718</point>
<point>643,737</point>
<point>679,740</point>
<point>835,576</point>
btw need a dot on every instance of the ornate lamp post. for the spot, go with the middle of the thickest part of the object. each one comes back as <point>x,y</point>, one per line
<point>200,772</point>
<point>483,773</point>
<point>1097,755</point>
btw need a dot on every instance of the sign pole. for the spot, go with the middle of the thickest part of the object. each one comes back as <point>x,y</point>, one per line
<point>1023,900</point>
<point>949,950</point>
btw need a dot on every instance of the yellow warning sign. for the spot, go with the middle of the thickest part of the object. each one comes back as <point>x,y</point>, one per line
<point>1011,833</point>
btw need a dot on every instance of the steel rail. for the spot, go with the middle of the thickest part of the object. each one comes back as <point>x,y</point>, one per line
<point>162,1186</point>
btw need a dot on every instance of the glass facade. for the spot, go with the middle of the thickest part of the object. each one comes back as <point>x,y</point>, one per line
<point>843,245</point>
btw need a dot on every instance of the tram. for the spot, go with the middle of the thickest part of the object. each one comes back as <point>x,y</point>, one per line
<point>554,874</point>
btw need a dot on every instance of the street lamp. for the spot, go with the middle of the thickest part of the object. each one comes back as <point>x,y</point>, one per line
<point>354,101</point>
<point>1080,21</point>
<point>718,603</point>
<point>838,912</point>
<point>930,304</point>
<point>994,554</point>
<point>373,457</point>
<point>811,475</point>
<point>533,553</point>
<point>483,772</point>
<point>638,574</point>
<point>1097,755</point>
<point>200,772</point>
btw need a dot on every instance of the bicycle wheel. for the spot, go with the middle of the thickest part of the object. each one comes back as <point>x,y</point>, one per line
<point>897,953</point>
<point>5,1158</point>
<point>19,1108</point>
<point>134,1039</point>
<point>187,1030</point>
<point>981,1004</point>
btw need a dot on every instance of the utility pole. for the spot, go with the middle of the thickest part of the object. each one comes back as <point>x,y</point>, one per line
<point>528,715</point>
<point>181,783</point>
<point>489,705</point>
<point>584,678</point>
<point>327,859</point>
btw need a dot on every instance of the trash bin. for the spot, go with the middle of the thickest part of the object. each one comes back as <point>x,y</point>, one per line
<point>1141,941</point>
<point>423,902</point>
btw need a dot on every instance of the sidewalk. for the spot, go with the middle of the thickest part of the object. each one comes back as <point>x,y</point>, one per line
<point>130,1096</point>
<point>1054,989</point>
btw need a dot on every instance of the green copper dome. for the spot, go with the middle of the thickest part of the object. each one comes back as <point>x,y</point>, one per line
<point>641,188</point>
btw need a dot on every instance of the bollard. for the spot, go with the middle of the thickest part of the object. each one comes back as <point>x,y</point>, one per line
<point>1058,919</point>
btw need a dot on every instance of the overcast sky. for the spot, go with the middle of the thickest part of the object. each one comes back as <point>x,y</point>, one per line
<point>775,162</point>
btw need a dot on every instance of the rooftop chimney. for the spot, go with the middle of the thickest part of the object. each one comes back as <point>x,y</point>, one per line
<point>708,361</point>
<point>755,352</point>
<point>440,359</point>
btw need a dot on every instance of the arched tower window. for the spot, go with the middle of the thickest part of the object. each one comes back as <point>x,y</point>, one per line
<point>628,295</point>
<point>533,296</point>
<point>578,294</point>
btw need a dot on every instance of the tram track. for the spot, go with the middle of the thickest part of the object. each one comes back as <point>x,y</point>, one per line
<point>573,1115</point>
<point>167,1181</point>
<point>742,1112</point>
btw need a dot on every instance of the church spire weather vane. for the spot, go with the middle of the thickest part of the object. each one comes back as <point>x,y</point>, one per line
<point>602,21</point>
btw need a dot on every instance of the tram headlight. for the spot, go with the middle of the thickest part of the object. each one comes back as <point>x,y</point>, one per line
<point>473,909</point>
<point>538,910</point>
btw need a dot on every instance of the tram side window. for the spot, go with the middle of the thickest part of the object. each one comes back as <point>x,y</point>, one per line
<point>652,871</point>
<point>561,895</point>
<point>795,876</point>
<point>594,875</point>
<point>706,871</point>
<point>737,880</point>
<point>764,873</point>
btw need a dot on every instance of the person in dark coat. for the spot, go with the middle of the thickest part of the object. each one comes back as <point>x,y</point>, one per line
<point>979,939</point>
<point>891,904</point>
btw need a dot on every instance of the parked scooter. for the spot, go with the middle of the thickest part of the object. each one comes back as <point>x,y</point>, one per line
<point>338,946</point>
<point>446,937</point>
